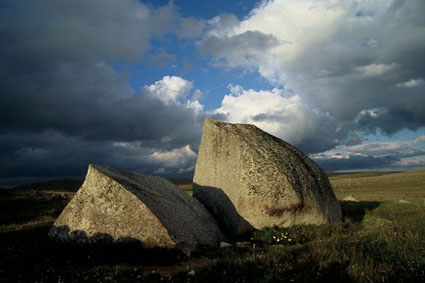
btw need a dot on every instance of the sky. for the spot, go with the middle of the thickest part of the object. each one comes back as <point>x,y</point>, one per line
<point>128,83</point>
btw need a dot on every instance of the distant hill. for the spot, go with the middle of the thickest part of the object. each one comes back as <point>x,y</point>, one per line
<point>72,185</point>
<point>62,185</point>
<point>345,175</point>
<point>180,181</point>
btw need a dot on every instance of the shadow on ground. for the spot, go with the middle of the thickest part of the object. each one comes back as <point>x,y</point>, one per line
<point>356,210</point>
<point>29,255</point>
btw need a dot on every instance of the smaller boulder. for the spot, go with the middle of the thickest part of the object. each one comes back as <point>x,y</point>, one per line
<point>225,245</point>
<point>350,197</point>
<point>114,206</point>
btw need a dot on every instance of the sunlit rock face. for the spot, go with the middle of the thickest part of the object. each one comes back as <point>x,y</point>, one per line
<point>268,181</point>
<point>115,205</point>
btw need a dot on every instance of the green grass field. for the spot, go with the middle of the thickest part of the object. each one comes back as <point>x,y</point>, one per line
<point>379,240</point>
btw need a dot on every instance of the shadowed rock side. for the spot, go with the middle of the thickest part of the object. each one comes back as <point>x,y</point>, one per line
<point>219,204</point>
<point>128,205</point>
<point>268,181</point>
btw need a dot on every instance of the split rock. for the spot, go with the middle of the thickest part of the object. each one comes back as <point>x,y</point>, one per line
<point>268,181</point>
<point>116,205</point>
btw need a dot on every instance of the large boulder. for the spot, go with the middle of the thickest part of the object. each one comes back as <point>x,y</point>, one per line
<point>114,205</point>
<point>266,180</point>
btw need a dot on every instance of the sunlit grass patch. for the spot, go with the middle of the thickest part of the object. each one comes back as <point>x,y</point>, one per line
<point>380,186</point>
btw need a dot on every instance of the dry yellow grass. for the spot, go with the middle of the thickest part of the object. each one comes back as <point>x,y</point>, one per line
<point>44,221</point>
<point>188,188</point>
<point>381,187</point>
<point>372,186</point>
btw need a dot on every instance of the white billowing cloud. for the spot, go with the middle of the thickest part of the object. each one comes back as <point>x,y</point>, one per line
<point>195,105</point>
<point>296,24</point>
<point>284,21</point>
<point>171,89</point>
<point>411,83</point>
<point>280,114</point>
<point>339,58</point>
<point>248,106</point>
<point>183,158</point>
<point>177,91</point>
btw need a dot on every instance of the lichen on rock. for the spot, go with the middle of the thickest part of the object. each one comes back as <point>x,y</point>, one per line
<point>268,181</point>
<point>115,205</point>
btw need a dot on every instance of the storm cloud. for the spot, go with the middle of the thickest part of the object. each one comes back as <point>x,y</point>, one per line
<point>64,105</point>
<point>376,155</point>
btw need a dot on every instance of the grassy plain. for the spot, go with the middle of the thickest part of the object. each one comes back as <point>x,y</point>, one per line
<point>378,186</point>
<point>380,240</point>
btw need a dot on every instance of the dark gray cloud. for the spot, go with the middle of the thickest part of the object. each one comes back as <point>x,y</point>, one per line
<point>399,155</point>
<point>94,103</point>
<point>62,103</point>
<point>340,163</point>
<point>29,157</point>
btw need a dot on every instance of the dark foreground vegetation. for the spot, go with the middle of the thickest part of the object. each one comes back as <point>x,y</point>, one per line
<point>379,241</point>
